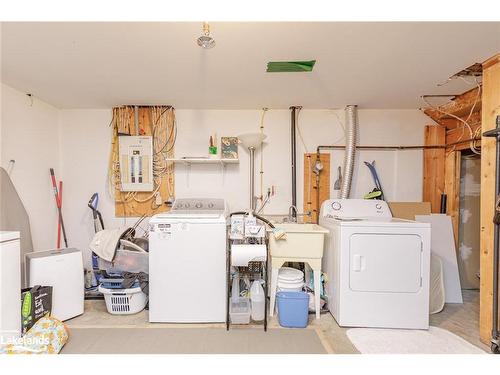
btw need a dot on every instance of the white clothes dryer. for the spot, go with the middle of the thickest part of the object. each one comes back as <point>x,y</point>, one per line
<point>377,266</point>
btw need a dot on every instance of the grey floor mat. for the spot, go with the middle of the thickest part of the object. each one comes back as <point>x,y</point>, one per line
<point>192,341</point>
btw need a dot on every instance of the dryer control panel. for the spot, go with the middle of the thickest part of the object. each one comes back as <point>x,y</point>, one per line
<point>355,208</point>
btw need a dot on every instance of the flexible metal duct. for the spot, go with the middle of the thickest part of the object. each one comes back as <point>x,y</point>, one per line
<point>351,120</point>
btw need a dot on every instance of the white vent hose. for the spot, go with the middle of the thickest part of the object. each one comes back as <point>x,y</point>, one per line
<point>351,119</point>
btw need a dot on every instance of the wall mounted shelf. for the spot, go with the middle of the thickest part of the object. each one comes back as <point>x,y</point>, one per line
<point>204,161</point>
<point>190,161</point>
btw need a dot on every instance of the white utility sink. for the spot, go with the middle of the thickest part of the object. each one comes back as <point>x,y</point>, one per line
<point>302,241</point>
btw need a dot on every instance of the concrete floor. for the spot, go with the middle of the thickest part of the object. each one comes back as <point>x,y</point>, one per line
<point>462,320</point>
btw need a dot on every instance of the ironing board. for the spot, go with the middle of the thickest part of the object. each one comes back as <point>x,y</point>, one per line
<point>14,217</point>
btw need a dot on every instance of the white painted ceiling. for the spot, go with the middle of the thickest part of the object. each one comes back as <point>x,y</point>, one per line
<point>374,65</point>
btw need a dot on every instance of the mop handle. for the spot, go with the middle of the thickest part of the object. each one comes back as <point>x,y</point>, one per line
<point>54,186</point>
<point>58,204</point>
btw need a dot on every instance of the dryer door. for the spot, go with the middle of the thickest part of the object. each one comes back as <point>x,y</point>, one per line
<point>385,262</point>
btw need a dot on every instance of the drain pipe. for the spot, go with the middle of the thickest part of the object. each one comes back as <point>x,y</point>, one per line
<point>252,179</point>
<point>294,158</point>
<point>351,119</point>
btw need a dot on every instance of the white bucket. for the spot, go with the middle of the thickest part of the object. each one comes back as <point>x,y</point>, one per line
<point>290,286</point>
<point>290,280</point>
<point>290,274</point>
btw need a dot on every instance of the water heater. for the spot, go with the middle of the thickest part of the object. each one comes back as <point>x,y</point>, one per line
<point>136,163</point>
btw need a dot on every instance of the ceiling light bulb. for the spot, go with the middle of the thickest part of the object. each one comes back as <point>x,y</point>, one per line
<point>206,41</point>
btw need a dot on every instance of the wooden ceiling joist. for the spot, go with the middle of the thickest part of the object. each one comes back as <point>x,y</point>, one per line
<point>461,135</point>
<point>459,106</point>
<point>453,125</point>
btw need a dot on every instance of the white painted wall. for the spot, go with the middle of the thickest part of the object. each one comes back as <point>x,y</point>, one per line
<point>400,172</point>
<point>30,136</point>
<point>85,145</point>
<point>85,142</point>
<point>76,143</point>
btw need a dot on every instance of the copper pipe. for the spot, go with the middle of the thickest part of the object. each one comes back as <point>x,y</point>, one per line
<point>397,148</point>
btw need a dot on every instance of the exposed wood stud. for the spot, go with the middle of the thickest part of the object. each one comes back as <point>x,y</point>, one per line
<point>452,189</point>
<point>490,109</point>
<point>434,166</point>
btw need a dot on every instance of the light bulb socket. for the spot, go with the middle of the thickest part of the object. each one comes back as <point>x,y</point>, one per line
<point>206,41</point>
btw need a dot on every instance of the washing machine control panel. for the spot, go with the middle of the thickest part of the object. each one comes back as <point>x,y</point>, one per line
<point>198,204</point>
<point>355,208</point>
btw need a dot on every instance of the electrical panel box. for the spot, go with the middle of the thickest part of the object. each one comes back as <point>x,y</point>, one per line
<point>136,163</point>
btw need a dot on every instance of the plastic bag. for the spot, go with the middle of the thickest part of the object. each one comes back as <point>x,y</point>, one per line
<point>47,336</point>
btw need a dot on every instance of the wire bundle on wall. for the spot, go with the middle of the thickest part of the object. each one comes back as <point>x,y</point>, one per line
<point>159,122</point>
<point>164,137</point>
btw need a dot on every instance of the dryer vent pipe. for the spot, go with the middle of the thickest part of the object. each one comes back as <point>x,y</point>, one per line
<point>351,120</point>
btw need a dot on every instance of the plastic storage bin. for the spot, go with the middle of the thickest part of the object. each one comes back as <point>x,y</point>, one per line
<point>293,309</point>
<point>126,261</point>
<point>239,311</point>
<point>123,301</point>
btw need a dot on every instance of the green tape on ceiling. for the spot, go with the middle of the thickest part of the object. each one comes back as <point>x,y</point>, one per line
<point>290,66</point>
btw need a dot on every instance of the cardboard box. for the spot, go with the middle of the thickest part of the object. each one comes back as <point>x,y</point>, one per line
<point>408,210</point>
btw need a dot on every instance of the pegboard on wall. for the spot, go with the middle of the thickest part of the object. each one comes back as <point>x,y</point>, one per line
<point>159,123</point>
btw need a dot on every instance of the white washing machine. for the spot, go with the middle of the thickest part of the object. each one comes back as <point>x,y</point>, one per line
<point>187,262</point>
<point>377,266</point>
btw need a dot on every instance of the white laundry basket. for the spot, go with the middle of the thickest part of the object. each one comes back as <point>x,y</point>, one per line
<point>124,301</point>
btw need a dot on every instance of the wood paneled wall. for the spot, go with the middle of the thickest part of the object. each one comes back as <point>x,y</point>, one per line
<point>137,205</point>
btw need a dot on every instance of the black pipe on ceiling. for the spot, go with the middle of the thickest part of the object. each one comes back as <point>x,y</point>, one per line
<point>294,156</point>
